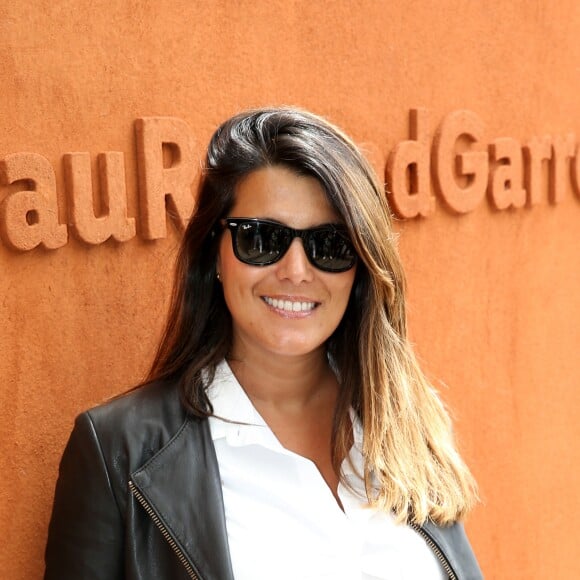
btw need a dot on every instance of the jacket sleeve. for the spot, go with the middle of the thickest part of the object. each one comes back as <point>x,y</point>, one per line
<point>86,531</point>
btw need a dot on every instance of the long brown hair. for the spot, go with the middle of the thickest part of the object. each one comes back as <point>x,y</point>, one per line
<point>408,446</point>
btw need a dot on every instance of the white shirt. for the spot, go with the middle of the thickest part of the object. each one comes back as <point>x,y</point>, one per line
<point>282,520</point>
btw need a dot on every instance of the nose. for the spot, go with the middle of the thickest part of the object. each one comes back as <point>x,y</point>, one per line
<point>294,265</point>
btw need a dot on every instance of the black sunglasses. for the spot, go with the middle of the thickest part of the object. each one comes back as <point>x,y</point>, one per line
<point>259,242</point>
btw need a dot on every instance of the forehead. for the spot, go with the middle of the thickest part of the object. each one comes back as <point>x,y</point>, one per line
<point>278,193</point>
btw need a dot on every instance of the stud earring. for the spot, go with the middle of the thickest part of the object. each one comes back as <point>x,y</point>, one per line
<point>218,276</point>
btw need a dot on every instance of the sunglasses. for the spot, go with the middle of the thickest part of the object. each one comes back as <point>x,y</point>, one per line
<point>259,242</point>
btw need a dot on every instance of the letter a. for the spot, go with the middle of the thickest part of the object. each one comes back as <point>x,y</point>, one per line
<point>30,217</point>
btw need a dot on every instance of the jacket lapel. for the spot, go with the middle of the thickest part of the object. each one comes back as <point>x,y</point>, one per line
<point>182,485</point>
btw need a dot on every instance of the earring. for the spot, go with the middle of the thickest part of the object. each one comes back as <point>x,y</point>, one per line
<point>218,276</point>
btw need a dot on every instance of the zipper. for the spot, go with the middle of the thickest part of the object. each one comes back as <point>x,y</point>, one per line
<point>157,521</point>
<point>436,550</point>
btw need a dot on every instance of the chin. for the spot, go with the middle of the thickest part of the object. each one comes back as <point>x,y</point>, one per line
<point>289,348</point>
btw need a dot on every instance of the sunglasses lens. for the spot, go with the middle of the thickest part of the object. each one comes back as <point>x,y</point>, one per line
<point>260,243</point>
<point>331,250</point>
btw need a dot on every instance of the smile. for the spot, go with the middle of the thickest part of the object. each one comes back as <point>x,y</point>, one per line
<point>289,305</point>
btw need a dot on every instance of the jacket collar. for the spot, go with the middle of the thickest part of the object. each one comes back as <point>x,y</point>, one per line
<point>453,543</point>
<point>182,485</point>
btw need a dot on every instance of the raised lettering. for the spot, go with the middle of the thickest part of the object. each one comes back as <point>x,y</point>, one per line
<point>408,170</point>
<point>450,165</point>
<point>30,217</point>
<point>562,152</point>
<point>157,182</point>
<point>505,181</point>
<point>575,172</point>
<point>113,220</point>
<point>537,151</point>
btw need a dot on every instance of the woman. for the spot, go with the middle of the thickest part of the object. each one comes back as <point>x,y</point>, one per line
<point>285,430</point>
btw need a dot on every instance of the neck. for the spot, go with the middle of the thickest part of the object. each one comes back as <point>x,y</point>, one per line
<point>286,383</point>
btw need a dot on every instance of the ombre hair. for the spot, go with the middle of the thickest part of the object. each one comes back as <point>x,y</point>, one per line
<point>408,445</point>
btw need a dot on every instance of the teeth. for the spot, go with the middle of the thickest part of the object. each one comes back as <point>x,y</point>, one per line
<point>288,305</point>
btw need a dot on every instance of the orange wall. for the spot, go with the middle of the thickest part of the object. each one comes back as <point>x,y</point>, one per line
<point>494,296</point>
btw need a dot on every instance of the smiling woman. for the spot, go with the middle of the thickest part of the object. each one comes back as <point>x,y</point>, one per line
<point>266,302</point>
<point>285,430</point>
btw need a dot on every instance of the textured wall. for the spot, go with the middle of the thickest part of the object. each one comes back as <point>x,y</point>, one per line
<point>494,293</point>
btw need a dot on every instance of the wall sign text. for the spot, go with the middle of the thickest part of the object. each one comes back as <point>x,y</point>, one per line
<point>451,165</point>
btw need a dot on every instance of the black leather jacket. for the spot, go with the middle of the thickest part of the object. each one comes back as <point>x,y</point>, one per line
<point>139,498</point>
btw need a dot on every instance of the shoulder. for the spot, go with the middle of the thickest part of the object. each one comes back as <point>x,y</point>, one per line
<point>157,401</point>
<point>131,428</point>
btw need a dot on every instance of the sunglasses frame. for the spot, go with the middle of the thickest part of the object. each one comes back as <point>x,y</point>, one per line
<point>234,223</point>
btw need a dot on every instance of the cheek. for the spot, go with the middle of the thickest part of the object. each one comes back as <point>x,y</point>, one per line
<point>346,285</point>
<point>227,267</point>
<point>222,256</point>
<point>227,262</point>
<point>347,290</point>
<point>237,279</point>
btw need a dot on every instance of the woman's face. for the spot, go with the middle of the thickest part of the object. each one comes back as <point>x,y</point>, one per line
<point>263,300</point>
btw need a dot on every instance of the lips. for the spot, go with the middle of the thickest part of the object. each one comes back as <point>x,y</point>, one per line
<point>287,305</point>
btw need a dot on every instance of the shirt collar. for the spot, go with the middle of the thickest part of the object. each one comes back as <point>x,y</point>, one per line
<point>235,418</point>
